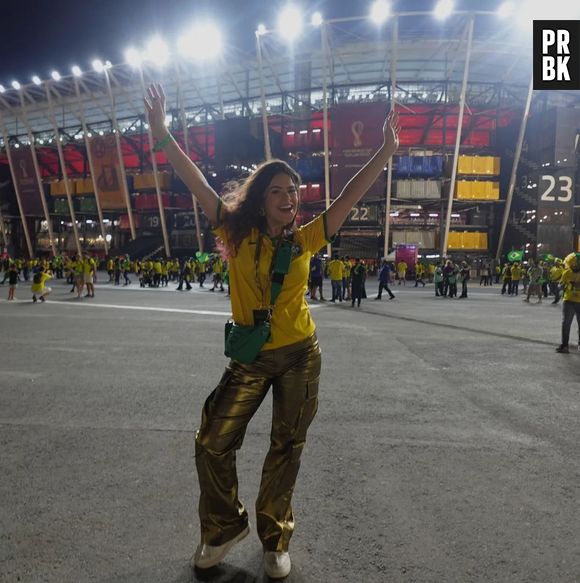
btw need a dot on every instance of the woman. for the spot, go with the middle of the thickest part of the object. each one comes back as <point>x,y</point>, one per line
<point>254,223</point>
<point>357,277</point>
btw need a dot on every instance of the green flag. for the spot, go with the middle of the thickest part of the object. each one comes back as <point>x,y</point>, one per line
<point>516,255</point>
<point>203,257</point>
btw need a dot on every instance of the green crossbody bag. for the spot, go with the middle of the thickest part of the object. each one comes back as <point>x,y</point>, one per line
<point>244,343</point>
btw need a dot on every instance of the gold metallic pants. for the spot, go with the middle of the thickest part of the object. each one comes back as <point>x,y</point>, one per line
<point>293,372</point>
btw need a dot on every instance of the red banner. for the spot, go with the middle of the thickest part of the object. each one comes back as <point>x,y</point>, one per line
<point>106,164</point>
<point>357,132</point>
<point>26,182</point>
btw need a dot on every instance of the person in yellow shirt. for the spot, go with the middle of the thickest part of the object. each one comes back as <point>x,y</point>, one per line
<point>38,287</point>
<point>419,273</point>
<point>516,274</point>
<point>556,272</point>
<point>570,281</point>
<point>402,271</point>
<point>217,273</point>
<point>89,269</point>
<point>268,262</point>
<point>110,269</point>
<point>335,271</point>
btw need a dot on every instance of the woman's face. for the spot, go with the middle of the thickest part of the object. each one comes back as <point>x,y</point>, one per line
<point>280,201</point>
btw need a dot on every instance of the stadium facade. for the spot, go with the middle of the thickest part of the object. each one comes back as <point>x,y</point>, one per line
<point>68,137</point>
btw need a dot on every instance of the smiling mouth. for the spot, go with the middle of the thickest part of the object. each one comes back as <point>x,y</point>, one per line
<point>286,208</point>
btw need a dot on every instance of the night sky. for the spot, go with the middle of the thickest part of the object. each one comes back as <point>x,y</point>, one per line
<point>38,36</point>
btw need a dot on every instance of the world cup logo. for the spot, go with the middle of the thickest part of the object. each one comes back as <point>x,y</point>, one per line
<point>357,129</point>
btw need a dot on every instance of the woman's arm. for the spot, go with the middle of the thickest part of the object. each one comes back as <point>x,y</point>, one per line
<point>364,178</point>
<point>189,173</point>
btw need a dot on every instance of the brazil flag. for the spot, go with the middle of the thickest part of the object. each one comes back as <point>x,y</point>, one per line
<point>516,255</point>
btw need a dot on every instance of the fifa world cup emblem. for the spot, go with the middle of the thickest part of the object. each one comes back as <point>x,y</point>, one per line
<point>357,131</point>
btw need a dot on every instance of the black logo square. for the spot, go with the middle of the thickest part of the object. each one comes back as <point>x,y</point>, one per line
<point>557,54</point>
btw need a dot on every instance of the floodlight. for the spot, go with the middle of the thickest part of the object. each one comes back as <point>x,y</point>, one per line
<point>76,71</point>
<point>98,66</point>
<point>443,9</point>
<point>261,30</point>
<point>17,145</point>
<point>16,85</point>
<point>36,80</point>
<point>133,57</point>
<point>2,89</point>
<point>202,41</point>
<point>506,9</point>
<point>316,19</point>
<point>55,75</point>
<point>108,65</point>
<point>157,51</point>
<point>290,22</point>
<point>380,11</point>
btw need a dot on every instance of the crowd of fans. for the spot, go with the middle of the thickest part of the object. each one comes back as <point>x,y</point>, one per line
<point>553,278</point>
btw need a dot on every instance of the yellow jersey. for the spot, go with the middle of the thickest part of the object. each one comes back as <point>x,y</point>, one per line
<point>571,284</point>
<point>291,319</point>
<point>336,269</point>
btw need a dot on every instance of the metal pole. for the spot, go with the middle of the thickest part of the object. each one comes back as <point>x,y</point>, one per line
<point>393,65</point>
<point>16,189</point>
<point>37,174</point>
<point>458,137</point>
<point>91,165</point>
<point>63,169</point>
<point>267,149</point>
<point>156,176</point>
<point>187,151</point>
<point>324,40</point>
<point>518,152</point>
<point>120,154</point>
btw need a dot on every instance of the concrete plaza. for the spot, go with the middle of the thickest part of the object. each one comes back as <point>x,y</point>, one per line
<point>445,448</point>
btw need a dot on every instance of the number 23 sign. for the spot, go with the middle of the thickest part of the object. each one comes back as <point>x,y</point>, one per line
<point>557,188</point>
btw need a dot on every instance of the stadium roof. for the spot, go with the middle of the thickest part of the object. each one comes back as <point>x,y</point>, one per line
<point>429,68</point>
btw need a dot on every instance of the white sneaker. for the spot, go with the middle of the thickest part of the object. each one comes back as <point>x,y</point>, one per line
<point>207,556</point>
<point>277,564</point>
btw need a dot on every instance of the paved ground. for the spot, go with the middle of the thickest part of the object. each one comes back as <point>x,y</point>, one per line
<point>445,448</point>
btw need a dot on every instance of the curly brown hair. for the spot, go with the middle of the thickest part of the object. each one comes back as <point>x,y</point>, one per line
<point>241,205</point>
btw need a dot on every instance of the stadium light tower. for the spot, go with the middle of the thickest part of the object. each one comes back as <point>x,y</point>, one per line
<point>261,30</point>
<point>133,57</point>
<point>157,52</point>
<point>98,65</point>
<point>200,42</point>
<point>316,19</point>
<point>16,85</point>
<point>443,9</point>
<point>55,75</point>
<point>2,89</point>
<point>36,80</point>
<point>290,23</point>
<point>380,11</point>
<point>76,71</point>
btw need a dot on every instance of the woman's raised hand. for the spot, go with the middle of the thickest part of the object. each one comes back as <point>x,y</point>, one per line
<point>391,131</point>
<point>155,108</point>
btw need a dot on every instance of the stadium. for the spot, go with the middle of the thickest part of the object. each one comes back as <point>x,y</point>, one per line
<point>84,132</point>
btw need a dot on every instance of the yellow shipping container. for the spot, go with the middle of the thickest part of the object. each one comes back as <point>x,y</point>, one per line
<point>465,165</point>
<point>58,188</point>
<point>84,186</point>
<point>467,240</point>
<point>464,189</point>
<point>147,181</point>
<point>479,165</point>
